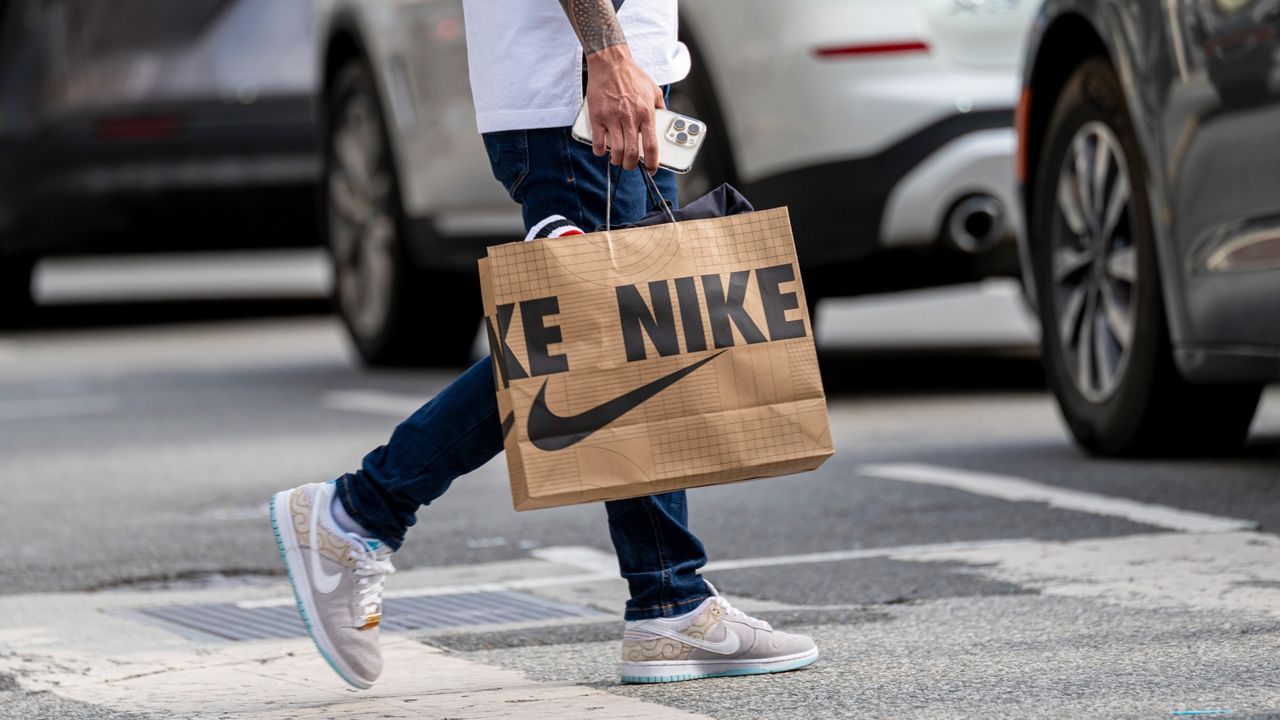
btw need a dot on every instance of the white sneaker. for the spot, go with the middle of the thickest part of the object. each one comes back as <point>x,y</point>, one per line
<point>337,580</point>
<point>714,640</point>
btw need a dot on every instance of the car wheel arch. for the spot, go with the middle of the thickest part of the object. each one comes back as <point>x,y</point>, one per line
<point>1069,41</point>
<point>345,40</point>
<point>345,43</point>
<point>342,45</point>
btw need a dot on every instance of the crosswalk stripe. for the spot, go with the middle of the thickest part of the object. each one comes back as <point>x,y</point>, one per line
<point>1015,489</point>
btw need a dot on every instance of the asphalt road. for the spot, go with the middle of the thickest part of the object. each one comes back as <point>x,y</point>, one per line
<point>138,446</point>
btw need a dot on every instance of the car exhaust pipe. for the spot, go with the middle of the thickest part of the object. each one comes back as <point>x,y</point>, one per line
<point>976,224</point>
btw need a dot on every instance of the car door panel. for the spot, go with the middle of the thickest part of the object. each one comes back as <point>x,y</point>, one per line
<point>1224,171</point>
<point>422,69</point>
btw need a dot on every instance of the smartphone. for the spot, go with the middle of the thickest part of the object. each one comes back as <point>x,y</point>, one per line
<point>680,137</point>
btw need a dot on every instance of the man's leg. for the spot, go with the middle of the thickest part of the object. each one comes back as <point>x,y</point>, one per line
<point>456,432</point>
<point>678,628</point>
<point>550,173</point>
<point>337,570</point>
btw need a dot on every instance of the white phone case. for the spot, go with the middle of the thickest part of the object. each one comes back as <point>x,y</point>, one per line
<point>677,146</point>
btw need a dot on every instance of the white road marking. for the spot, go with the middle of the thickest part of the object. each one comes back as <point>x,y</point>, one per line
<point>987,315</point>
<point>374,402</point>
<point>603,566</point>
<point>600,566</point>
<point>900,551</point>
<point>522,584</point>
<point>481,223</point>
<point>1214,572</point>
<point>1016,489</point>
<point>579,556</point>
<point>45,408</point>
<point>598,561</point>
<point>264,274</point>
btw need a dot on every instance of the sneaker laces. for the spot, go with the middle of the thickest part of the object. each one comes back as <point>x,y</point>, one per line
<point>372,571</point>
<point>729,609</point>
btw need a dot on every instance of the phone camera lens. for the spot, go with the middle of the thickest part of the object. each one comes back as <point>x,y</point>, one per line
<point>694,129</point>
<point>678,124</point>
<point>682,138</point>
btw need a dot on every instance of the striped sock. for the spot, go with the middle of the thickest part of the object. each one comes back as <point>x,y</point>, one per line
<point>553,226</point>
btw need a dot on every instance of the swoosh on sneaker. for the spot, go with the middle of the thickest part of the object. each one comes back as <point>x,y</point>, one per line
<point>728,646</point>
<point>323,582</point>
<point>549,431</point>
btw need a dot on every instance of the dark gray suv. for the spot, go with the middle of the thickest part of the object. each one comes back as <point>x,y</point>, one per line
<point>1149,158</point>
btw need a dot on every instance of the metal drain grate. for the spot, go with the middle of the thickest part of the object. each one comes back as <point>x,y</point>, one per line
<point>418,612</point>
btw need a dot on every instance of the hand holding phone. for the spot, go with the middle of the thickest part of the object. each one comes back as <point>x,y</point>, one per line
<point>679,137</point>
<point>622,97</point>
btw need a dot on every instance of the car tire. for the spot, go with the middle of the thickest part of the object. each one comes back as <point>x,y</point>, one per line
<point>1105,341</point>
<point>396,312</point>
<point>17,299</point>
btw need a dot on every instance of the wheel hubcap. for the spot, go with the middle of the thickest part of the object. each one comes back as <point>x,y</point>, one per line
<point>1094,261</point>
<point>361,220</point>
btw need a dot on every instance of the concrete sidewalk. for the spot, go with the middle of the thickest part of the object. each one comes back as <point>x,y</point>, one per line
<point>1136,626</point>
<point>274,680</point>
<point>92,655</point>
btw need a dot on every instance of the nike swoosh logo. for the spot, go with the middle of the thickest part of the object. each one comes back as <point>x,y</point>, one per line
<point>548,431</point>
<point>728,646</point>
<point>323,581</point>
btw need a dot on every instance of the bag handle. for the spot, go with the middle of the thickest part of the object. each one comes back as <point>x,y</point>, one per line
<point>609,192</point>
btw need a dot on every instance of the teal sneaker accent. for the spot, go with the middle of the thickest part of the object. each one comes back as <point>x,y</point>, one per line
<point>714,640</point>
<point>733,672</point>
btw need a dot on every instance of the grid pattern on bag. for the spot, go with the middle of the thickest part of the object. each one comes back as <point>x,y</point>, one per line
<point>766,439</point>
<point>619,260</point>
<point>745,242</point>
<point>523,271</point>
<point>802,362</point>
<point>754,406</point>
<point>682,455</point>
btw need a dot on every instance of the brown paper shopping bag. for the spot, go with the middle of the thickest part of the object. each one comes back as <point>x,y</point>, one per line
<point>652,359</point>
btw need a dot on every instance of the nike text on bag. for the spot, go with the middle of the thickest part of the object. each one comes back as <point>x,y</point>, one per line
<point>652,359</point>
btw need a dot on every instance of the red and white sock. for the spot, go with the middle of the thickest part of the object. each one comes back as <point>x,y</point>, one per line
<point>553,226</point>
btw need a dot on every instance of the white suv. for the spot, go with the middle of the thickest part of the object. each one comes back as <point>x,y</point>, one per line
<point>885,125</point>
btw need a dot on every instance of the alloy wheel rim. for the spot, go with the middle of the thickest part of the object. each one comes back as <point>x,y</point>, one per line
<point>1094,262</point>
<point>361,218</point>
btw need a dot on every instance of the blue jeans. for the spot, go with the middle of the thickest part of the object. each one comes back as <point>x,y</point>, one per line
<point>457,431</point>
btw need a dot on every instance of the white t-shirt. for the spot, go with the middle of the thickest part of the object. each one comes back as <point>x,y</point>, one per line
<point>526,61</point>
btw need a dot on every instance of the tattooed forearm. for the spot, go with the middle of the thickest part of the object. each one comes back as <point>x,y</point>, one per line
<point>595,22</point>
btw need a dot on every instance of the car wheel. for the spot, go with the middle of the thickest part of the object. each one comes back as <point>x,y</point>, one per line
<point>1105,339</point>
<point>396,312</point>
<point>17,301</point>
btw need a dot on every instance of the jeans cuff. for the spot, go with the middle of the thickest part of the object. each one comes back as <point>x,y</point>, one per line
<point>666,609</point>
<point>348,503</point>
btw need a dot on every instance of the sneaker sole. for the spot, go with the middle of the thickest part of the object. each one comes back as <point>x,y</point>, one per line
<point>681,670</point>
<point>291,555</point>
